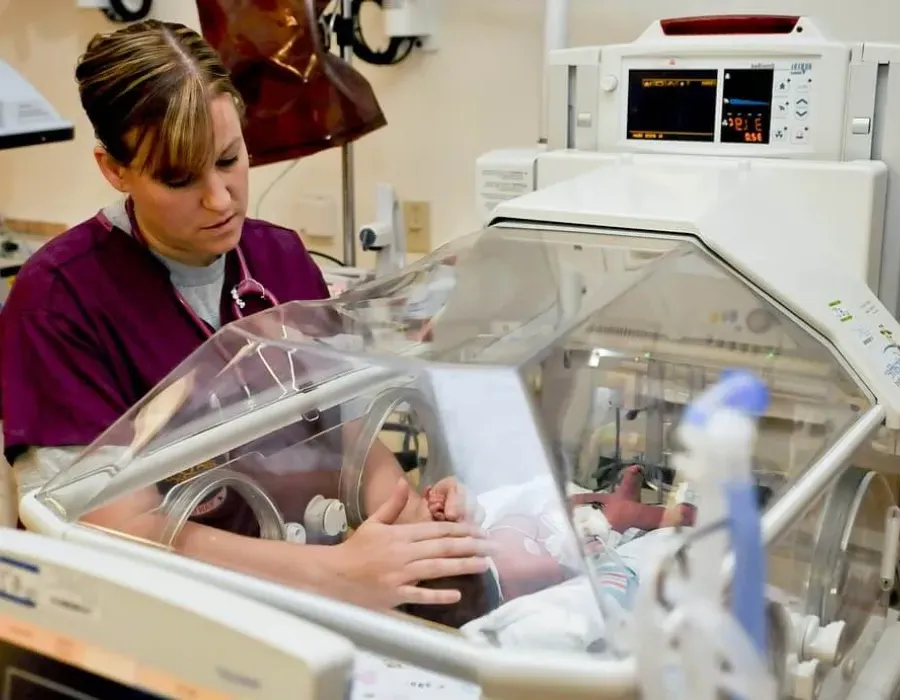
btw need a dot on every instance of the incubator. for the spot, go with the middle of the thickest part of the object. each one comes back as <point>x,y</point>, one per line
<point>544,367</point>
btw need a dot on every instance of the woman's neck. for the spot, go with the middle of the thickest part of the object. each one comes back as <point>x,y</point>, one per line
<point>156,244</point>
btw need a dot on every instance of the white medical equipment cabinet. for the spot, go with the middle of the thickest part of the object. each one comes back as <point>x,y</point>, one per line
<point>695,94</point>
<point>78,623</point>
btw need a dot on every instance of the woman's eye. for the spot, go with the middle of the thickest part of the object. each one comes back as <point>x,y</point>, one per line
<point>227,162</point>
<point>179,184</point>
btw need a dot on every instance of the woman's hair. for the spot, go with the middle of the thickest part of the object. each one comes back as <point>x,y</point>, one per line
<point>147,90</point>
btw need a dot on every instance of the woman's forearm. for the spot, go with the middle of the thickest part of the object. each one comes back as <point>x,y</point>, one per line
<point>318,569</point>
<point>381,476</point>
<point>310,567</point>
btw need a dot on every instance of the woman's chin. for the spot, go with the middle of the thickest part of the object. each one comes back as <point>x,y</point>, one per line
<point>221,242</point>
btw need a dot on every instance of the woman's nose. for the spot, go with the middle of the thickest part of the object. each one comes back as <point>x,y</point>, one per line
<point>216,196</point>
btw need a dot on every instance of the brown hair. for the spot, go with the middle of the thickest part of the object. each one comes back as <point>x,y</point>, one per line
<point>146,90</point>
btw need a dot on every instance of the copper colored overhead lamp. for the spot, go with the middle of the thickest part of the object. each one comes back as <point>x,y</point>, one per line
<point>300,98</point>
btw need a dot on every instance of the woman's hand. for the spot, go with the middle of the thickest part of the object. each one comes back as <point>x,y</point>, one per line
<point>390,559</point>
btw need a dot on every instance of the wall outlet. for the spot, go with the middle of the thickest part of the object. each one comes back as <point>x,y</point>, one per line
<point>417,217</point>
<point>316,217</point>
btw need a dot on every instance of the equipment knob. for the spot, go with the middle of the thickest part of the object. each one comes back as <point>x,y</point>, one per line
<point>608,83</point>
<point>294,533</point>
<point>325,516</point>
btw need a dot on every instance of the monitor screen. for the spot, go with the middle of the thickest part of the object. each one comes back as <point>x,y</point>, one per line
<point>672,105</point>
<point>747,105</point>
<point>37,664</point>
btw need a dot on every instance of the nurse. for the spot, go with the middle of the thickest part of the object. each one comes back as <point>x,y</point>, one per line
<point>105,311</point>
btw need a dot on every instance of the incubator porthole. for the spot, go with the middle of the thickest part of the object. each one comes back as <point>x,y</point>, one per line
<point>400,420</point>
<point>845,580</point>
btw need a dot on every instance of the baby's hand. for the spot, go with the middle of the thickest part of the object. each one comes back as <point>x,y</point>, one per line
<point>436,502</point>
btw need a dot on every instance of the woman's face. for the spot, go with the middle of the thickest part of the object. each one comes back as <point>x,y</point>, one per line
<point>192,222</point>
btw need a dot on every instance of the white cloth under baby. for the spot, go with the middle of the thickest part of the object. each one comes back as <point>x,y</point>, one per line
<point>562,618</point>
<point>566,616</point>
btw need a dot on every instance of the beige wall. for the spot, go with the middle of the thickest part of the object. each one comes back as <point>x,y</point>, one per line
<point>479,91</point>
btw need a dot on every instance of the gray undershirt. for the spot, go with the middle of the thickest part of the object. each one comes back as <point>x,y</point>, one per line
<point>201,287</point>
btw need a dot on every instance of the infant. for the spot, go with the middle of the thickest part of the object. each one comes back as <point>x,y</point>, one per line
<point>530,546</point>
<point>622,508</point>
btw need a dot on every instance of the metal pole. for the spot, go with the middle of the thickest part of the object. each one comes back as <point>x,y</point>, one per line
<point>556,36</point>
<point>348,200</point>
<point>788,509</point>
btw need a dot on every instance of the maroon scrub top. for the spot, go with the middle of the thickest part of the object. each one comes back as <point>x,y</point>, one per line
<point>93,323</point>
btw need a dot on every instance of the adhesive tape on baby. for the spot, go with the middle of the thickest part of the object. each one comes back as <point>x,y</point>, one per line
<point>325,516</point>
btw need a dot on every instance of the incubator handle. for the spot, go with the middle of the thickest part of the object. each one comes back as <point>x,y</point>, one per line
<point>891,548</point>
<point>181,502</point>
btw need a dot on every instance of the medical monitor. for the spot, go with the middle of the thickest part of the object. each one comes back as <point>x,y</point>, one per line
<point>725,105</point>
<point>677,105</point>
<point>76,624</point>
<point>724,86</point>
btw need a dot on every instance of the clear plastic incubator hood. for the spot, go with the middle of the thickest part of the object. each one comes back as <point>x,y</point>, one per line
<point>545,368</point>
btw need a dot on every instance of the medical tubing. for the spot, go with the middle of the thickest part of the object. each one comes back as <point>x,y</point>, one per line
<point>181,502</point>
<point>737,390</point>
<point>718,432</point>
<point>747,675</point>
<point>326,256</point>
<point>748,589</point>
<point>398,48</point>
<point>646,643</point>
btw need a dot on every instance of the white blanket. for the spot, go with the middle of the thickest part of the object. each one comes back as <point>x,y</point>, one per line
<point>566,616</point>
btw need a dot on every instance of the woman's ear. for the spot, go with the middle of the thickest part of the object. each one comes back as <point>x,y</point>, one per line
<point>113,171</point>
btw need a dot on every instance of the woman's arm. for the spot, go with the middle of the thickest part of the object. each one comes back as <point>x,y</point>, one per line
<point>314,568</point>
<point>309,566</point>
<point>382,472</point>
<point>136,515</point>
<point>379,567</point>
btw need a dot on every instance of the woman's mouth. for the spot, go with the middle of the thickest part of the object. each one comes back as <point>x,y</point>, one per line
<point>222,223</point>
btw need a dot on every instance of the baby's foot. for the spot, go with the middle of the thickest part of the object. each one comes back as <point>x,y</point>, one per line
<point>629,487</point>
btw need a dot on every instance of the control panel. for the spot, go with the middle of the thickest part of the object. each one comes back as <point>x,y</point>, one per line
<point>724,86</point>
<point>757,103</point>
